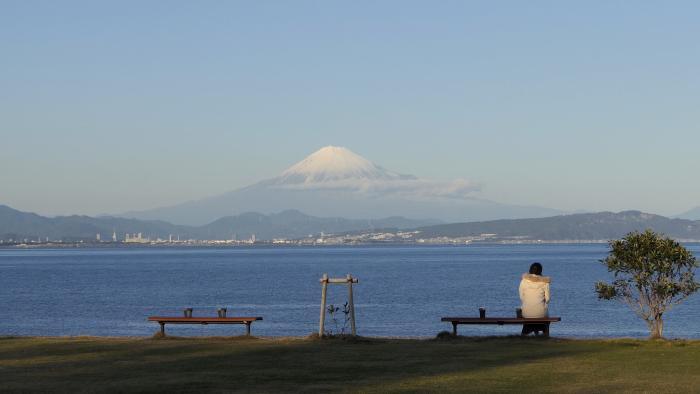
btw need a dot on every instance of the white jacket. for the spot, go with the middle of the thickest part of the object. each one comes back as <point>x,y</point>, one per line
<point>534,295</point>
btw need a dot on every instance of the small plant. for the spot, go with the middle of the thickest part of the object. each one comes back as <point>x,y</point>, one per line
<point>652,274</point>
<point>333,312</point>
<point>445,335</point>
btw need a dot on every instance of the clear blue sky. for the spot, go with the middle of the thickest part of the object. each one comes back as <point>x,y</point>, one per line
<point>108,107</point>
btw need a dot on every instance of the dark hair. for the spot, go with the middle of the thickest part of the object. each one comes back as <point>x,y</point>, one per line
<point>536,269</point>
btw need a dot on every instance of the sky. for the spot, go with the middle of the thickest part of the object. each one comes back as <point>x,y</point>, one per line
<point>107,107</point>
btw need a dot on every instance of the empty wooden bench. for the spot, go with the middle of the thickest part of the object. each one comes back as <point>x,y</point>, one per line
<point>163,320</point>
<point>544,321</point>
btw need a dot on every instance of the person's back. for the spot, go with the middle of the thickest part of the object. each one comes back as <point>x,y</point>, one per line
<point>534,292</point>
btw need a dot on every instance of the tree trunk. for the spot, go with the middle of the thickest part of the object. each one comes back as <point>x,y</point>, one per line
<point>656,327</point>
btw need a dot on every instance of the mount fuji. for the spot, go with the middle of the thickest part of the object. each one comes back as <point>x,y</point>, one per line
<point>336,182</point>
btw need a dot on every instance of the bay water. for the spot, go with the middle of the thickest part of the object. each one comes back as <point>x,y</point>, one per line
<point>403,290</point>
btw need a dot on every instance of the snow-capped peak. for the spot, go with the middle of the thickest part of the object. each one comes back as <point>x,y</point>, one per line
<point>334,168</point>
<point>334,163</point>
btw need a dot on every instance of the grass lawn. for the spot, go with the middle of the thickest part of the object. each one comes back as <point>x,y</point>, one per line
<point>364,365</point>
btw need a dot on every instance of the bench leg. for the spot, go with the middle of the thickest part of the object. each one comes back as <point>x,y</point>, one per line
<point>162,329</point>
<point>546,330</point>
<point>454,328</point>
<point>247,329</point>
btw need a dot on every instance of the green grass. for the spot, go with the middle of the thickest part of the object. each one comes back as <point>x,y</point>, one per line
<point>364,365</point>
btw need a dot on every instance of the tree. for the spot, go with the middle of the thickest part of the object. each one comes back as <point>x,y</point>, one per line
<point>652,274</point>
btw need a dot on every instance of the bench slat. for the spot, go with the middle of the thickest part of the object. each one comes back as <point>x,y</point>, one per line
<point>195,319</point>
<point>500,320</point>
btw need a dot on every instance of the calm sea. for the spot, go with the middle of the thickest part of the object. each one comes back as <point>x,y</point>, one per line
<point>403,291</point>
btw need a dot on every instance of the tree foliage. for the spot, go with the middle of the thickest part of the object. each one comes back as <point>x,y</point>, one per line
<point>652,273</point>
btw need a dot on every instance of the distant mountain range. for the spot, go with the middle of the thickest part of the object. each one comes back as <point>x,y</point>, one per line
<point>294,225</point>
<point>335,181</point>
<point>19,225</point>
<point>585,226</point>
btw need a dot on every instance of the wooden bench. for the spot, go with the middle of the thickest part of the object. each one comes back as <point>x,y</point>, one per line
<point>544,321</point>
<point>163,320</point>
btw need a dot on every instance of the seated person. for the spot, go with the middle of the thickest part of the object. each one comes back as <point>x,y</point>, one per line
<point>534,296</point>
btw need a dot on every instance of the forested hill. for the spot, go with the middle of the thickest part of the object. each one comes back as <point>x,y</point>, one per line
<point>586,226</point>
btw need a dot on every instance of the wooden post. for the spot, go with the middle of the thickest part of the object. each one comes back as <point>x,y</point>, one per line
<point>247,328</point>
<point>352,306</point>
<point>162,328</point>
<point>322,321</point>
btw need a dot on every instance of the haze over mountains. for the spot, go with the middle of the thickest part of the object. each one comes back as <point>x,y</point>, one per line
<point>693,214</point>
<point>335,182</point>
<point>337,191</point>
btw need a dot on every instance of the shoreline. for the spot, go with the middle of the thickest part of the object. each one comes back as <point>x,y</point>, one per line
<point>272,245</point>
<point>308,246</point>
<point>311,337</point>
